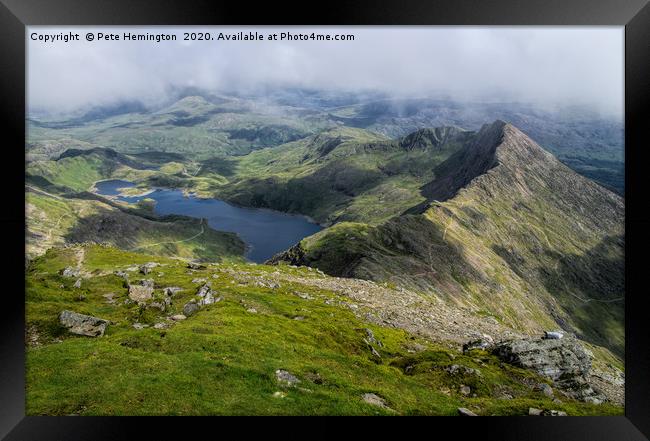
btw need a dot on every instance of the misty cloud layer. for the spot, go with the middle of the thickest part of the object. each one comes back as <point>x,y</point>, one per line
<point>544,66</point>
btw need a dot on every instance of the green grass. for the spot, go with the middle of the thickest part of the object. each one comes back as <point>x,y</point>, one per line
<point>55,221</point>
<point>77,173</point>
<point>223,359</point>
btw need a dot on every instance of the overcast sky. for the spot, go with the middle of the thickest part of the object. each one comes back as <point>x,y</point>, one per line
<point>545,66</point>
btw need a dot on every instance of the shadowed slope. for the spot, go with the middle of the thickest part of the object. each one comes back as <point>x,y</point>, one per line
<point>501,235</point>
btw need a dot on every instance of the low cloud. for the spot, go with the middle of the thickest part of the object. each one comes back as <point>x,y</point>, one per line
<point>545,66</point>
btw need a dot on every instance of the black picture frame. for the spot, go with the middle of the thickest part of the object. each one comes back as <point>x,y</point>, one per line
<point>633,14</point>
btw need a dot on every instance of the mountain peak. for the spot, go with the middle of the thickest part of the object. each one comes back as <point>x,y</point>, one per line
<point>429,137</point>
<point>189,105</point>
<point>477,158</point>
<point>516,158</point>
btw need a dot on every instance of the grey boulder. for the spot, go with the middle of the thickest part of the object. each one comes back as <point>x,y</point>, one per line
<point>190,309</point>
<point>171,290</point>
<point>551,358</point>
<point>196,266</point>
<point>69,271</point>
<point>140,293</point>
<point>286,378</point>
<point>481,343</point>
<point>82,324</point>
<point>565,361</point>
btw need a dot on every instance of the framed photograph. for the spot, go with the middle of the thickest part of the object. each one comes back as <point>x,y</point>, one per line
<point>389,210</point>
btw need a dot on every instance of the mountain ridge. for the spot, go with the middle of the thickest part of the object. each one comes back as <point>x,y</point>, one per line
<point>516,225</point>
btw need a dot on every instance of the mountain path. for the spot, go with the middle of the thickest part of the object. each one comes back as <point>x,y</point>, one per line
<point>43,192</point>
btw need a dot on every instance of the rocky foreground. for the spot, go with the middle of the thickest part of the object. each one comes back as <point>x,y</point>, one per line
<point>118,333</point>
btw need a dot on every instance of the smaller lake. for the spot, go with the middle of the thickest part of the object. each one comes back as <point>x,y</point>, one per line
<point>266,232</point>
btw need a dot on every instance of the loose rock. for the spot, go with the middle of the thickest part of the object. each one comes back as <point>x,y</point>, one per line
<point>178,317</point>
<point>286,378</point>
<point>371,338</point>
<point>480,343</point>
<point>70,272</point>
<point>553,335</point>
<point>195,266</point>
<point>82,324</point>
<point>140,293</point>
<point>565,361</point>
<point>375,400</point>
<point>157,305</point>
<point>190,308</point>
<point>171,290</point>
<point>545,389</point>
<point>455,369</point>
<point>146,268</point>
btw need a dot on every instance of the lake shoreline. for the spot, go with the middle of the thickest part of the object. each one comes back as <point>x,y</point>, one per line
<point>187,193</point>
<point>264,231</point>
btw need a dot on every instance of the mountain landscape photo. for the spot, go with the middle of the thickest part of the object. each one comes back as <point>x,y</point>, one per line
<point>414,222</point>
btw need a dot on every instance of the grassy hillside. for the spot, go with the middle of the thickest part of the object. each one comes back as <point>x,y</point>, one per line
<point>55,220</point>
<point>515,235</point>
<point>205,125</point>
<point>224,359</point>
<point>193,126</point>
<point>589,143</point>
<point>341,174</point>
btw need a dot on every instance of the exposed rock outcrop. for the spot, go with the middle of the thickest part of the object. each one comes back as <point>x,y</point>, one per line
<point>70,272</point>
<point>190,308</point>
<point>286,378</point>
<point>82,324</point>
<point>554,359</point>
<point>565,361</point>
<point>462,411</point>
<point>375,400</point>
<point>140,293</point>
<point>147,267</point>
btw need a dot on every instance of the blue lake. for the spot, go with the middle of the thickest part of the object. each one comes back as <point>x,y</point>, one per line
<point>266,232</point>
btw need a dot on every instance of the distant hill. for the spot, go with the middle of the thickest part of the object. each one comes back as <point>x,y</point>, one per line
<point>342,174</point>
<point>193,126</point>
<point>591,144</point>
<point>201,125</point>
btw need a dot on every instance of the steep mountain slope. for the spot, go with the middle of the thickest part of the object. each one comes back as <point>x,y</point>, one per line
<point>508,232</point>
<point>275,341</point>
<point>342,174</point>
<point>56,220</point>
<point>590,143</point>
<point>78,169</point>
<point>202,124</point>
